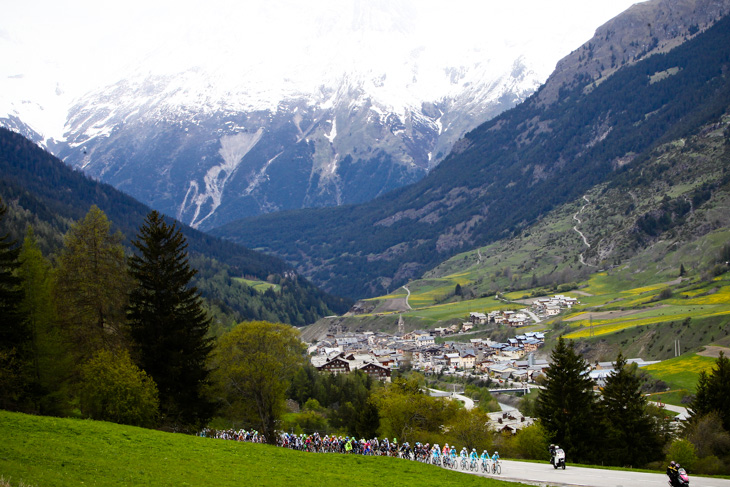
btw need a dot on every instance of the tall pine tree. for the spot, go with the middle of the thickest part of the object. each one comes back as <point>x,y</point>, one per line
<point>632,437</point>
<point>566,407</point>
<point>15,339</point>
<point>168,323</point>
<point>713,391</point>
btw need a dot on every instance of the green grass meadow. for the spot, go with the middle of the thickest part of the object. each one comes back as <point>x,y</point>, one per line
<point>44,451</point>
<point>260,286</point>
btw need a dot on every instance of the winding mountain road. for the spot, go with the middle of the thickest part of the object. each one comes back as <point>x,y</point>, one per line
<point>407,296</point>
<point>585,240</point>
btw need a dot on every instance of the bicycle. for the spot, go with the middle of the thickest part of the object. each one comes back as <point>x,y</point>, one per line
<point>486,468</point>
<point>463,463</point>
<point>473,465</point>
<point>497,467</point>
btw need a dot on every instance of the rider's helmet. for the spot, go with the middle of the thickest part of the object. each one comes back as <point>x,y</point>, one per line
<point>473,449</point>
<point>672,464</point>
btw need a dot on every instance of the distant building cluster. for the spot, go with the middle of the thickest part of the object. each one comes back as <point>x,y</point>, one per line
<point>549,307</point>
<point>377,354</point>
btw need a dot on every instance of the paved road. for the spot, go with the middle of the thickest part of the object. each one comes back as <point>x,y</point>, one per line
<point>544,474</point>
<point>683,413</point>
<point>468,402</point>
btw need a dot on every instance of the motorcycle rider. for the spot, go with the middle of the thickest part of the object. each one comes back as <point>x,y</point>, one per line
<point>672,472</point>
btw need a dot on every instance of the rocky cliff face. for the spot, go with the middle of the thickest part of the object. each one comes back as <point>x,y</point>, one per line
<point>643,30</point>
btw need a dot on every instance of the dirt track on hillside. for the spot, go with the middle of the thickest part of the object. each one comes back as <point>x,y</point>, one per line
<point>390,305</point>
<point>604,315</point>
<point>714,351</point>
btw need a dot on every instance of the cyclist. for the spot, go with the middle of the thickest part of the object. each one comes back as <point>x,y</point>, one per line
<point>485,459</point>
<point>452,454</point>
<point>473,456</point>
<point>495,457</point>
<point>435,453</point>
<point>463,455</point>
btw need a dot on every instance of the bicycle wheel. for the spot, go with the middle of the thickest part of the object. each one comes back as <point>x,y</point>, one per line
<point>499,469</point>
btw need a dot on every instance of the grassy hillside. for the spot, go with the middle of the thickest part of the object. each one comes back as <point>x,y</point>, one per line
<point>43,451</point>
<point>618,247</point>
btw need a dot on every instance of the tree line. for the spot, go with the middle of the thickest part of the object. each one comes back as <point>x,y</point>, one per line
<point>99,334</point>
<point>619,427</point>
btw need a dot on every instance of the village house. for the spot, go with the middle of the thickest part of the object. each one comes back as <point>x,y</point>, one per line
<point>425,341</point>
<point>508,421</point>
<point>468,359</point>
<point>337,365</point>
<point>477,318</point>
<point>377,371</point>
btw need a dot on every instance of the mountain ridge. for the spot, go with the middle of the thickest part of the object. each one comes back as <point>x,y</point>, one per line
<point>548,153</point>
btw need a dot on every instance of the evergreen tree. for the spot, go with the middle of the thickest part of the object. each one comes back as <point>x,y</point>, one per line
<point>91,285</point>
<point>51,362</point>
<point>14,335</point>
<point>168,323</point>
<point>713,390</point>
<point>632,437</point>
<point>566,407</point>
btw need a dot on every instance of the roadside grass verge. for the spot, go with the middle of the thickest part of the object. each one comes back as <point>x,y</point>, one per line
<point>673,397</point>
<point>44,451</point>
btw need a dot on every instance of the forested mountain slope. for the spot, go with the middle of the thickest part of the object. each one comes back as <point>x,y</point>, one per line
<point>41,190</point>
<point>507,173</point>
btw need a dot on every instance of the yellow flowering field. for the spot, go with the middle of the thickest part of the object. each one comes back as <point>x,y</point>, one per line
<point>682,371</point>
<point>603,328</point>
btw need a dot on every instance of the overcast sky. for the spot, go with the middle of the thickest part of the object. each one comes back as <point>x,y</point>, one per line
<point>73,46</point>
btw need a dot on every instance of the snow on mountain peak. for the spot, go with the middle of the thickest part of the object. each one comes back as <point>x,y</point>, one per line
<point>259,52</point>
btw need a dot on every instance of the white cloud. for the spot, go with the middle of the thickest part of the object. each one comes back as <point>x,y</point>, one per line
<point>79,45</point>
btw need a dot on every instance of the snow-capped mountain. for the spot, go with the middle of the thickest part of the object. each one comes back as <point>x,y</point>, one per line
<point>207,159</point>
<point>250,119</point>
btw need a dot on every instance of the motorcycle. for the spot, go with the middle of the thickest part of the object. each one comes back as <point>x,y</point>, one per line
<point>558,459</point>
<point>681,480</point>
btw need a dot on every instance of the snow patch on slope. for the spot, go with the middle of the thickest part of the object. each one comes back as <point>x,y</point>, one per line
<point>233,149</point>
